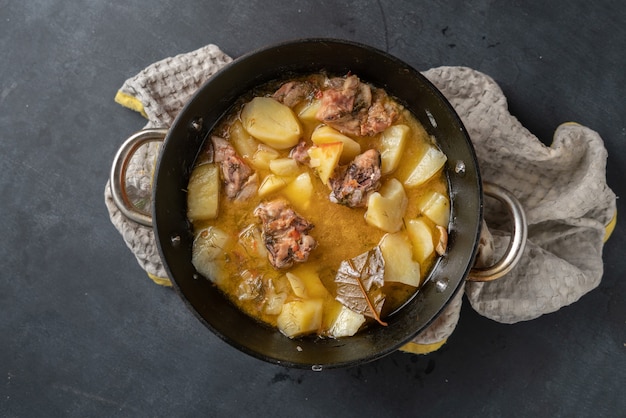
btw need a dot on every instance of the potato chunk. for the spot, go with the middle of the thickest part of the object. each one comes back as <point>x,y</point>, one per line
<point>386,207</point>
<point>272,183</point>
<point>263,156</point>
<point>399,264</point>
<point>242,141</point>
<point>208,254</point>
<point>436,207</point>
<point>297,285</point>
<point>286,167</point>
<point>347,323</point>
<point>203,193</point>
<point>324,158</point>
<point>271,122</point>
<point>307,275</point>
<point>300,317</point>
<point>299,191</point>
<point>428,165</point>
<point>308,112</point>
<point>325,135</point>
<point>421,237</point>
<point>392,143</point>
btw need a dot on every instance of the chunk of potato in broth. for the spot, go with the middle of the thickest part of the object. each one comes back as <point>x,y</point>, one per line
<point>326,135</point>
<point>300,317</point>
<point>271,122</point>
<point>203,193</point>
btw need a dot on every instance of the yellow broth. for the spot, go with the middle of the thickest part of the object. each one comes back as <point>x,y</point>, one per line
<point>341,232</point>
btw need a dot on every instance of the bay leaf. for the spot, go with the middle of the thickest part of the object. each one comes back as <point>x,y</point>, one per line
<point>359,283</point>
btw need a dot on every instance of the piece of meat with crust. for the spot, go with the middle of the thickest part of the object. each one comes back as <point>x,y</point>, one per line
<point>240,181</point>
<point>354,108</point>
<point>380,115</point>
<point>337,104</point>
<point>338,99</point>
<point>352,184</point>
<point>285,233</point>
<point>300,154</point>
<point>293,92</point>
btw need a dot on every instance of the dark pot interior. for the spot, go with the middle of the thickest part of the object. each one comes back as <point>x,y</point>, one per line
<point>213,100</point>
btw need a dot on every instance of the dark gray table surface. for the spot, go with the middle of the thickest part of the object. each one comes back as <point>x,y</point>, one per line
<point>84,332</point>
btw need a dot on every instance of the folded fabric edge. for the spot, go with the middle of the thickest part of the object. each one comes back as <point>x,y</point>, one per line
<point>130,102</point>
<point>609,227</point>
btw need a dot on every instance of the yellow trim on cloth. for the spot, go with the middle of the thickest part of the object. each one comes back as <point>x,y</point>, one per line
<point>608,230</point>
<point>415,348</point>
<point>130,102</point>
<point>160,280</point>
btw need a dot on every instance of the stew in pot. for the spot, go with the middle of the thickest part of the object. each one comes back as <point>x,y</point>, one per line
<point>319,205</point>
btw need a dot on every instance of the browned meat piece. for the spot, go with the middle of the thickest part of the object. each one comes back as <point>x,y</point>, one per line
<point>299,153</point>
<point>363,98</point>
<point>337,107</point>
<point>338,100</point>
<point>285,233</point>
<point>380,115</point>
<point>293,92</point>
<point>241,182</point>
<point>351,185</point>
<point>347,106</point>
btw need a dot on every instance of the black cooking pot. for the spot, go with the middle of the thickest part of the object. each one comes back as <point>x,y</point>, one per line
<point>214,99</point>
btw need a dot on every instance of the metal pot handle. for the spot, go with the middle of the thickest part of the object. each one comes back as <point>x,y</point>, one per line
<point>118,173</point>
<point>519,233</point>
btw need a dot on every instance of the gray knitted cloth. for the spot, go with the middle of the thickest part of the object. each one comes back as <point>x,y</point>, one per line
<point>562,189</point>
